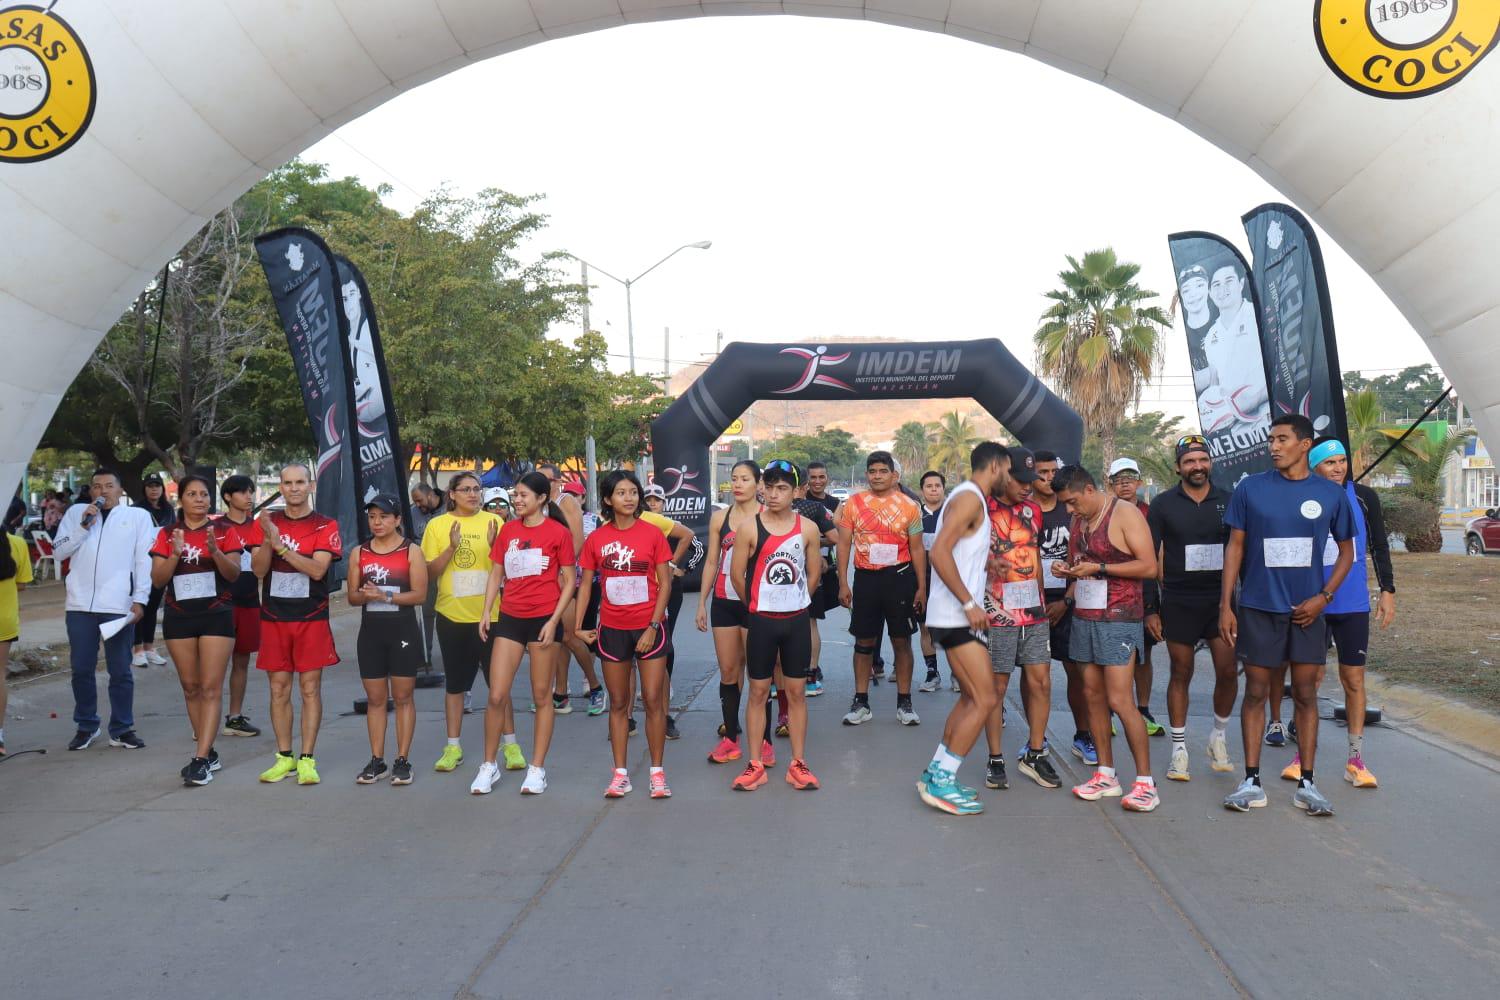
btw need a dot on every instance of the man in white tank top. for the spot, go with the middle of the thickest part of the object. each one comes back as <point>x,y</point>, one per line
<point>958,623</point>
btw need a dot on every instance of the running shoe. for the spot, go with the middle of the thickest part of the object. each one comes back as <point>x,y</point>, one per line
<point>1313,802</point>
<point>931,682</point>
<point>939,790</point>
<point>1100,786</point>
<point>1246,797</point>
<point>137,659</point>
<point>814,688</point>
<point>1037,766</point>
<point>1141,799</point>
<point>488,777</point>
<point>371,773</point>
<point>858,714</point>
<point>536,781</point>
<point>515,760</point>
<point>929,771</point>
<point>953,685</point>
<point>197,772</point>
<point>1293,771</point>
<point>307,771</point>
<point>1357,774</point>
<point>1291,730</point>
<point>906,715</point>
<point>285,765</point>
<point>468,702</point>
<point>214,764</point>
<point>1218,754</point>
<point>672,731</point>
<point>630,730</point>
<point>1177,767</point>
<point>751,778</point>
<point>563,705</point>
<point>619,785</point>
<point>238,725</point>
<point>994,773</point>
<point>400,771</point>
<point>726,751</point>
<point>783,729</point>
<point>453,755</point>
<point>155,659</point>
<point>659,789</point>
<point>596,702</point>
<point>1153,728</point>
<point>1275,734</point>
<point>800,777</point>
<point>127,740</point>
<point>531,707</point>
<point>767,754</point>
<point>1084,750</point>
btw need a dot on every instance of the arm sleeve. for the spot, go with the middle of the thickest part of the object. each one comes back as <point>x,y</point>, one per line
<point>1376,537</point>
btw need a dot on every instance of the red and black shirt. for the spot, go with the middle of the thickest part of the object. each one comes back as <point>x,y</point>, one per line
<point>778,572</point>
<point>197,587</point>
<point>391,572</point>
<point>245,590</point>
<point>288,594</point>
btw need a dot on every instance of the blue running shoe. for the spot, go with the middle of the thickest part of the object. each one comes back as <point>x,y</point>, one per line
<point>1084,750</point>
<point>939,790</point>
<point>927,774</point>
<point>814,688</point>
<point>1275,735</point>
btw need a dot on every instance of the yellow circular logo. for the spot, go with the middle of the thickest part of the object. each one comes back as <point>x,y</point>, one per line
<point>46,85</point>
<point>1404,48</point>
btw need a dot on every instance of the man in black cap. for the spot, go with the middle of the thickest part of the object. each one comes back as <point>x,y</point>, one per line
<point>1188,530</point>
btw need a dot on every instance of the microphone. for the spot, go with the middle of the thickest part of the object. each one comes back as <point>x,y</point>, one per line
<point>99,503</point>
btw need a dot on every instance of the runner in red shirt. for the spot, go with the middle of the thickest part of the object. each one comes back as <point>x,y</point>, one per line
<point>293,559</point>
<point>195,561</point>
<point>532,560</point>
<point>238,494</point>
<point>633,564</point>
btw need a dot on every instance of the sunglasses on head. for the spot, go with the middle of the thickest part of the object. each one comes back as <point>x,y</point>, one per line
<point>782,465</point>
<point>1189,439</point>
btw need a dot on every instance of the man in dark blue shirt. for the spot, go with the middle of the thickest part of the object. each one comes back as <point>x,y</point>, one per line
<point>1279,523</point>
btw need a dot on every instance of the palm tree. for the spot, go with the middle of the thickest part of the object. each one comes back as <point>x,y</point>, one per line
<point>953,439</point>
<point>1423,458</point>
<point>913,438</point>
<point>1101,341</point>
<point>1365,428</point>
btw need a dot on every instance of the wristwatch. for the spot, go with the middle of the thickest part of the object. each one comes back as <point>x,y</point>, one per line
<point>1069,602</point>
<point>1327,597</point>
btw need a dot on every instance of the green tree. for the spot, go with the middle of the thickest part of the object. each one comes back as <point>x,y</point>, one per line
<point>1405,394</point>
<point>1147,437</point>
<point>1100,341</point>
<point>913,439</point>
<point>1423,458</point>
<point>953,439</point>
<point>1366,422</point>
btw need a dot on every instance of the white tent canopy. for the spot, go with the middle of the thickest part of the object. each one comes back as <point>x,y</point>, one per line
<point>196,102</point>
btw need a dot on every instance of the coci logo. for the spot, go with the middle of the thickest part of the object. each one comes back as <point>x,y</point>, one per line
<point>1404,48</point>
<point>46,85</point>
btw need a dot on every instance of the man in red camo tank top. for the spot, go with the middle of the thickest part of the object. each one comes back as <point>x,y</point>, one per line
<point>1109,556</point>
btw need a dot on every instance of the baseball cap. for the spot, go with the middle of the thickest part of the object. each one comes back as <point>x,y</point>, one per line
<point>1120,465</point>
<point>574,487</point>
<point>1192,442</point>
<point>493,493</point>
<point>1022,464</point>
<point>653,490</point>
<point>385,502</point>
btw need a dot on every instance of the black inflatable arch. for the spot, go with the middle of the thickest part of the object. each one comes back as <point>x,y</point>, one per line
<point>744,373</point>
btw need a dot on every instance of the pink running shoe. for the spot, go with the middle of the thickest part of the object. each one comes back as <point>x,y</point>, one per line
<point>659,789</point>
<point>767,753</point>
<point>727,750</point>
<point>1142,798</point>
<point>1100,786</point>
<point>619,785</point>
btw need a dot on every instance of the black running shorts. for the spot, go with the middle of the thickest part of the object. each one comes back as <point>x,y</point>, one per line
<point>465,655</point>
<point>1269,640</point>
<point>724,613</point>
<point>215,623</point>
<point>389,646</point>
<point>788,638</point>
<point>520,630</point>
<point>883,598</point>
<point>1186,618</point>
<point>1350,632</point>
<point>617,645</point>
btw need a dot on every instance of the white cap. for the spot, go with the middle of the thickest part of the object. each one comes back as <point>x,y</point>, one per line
<point>494,493</point>
<point>1120,465</point>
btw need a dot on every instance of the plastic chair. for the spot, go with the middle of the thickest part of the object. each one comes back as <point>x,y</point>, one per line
<point>44,555</point>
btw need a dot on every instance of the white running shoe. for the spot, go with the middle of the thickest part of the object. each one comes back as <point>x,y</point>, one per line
<point>487,778</point>
<point>907,716</point>
<point>468,702</point>
<point>155,659</point>
<point>858,713</point>
<point>1218,754</point>
<point>138,659</point>
<point>536,781</point>
<point>1177,768</point>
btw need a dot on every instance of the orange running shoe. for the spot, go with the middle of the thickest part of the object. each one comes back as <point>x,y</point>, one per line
<point>751,778</point>
<point>1142,798</point>
<point>767,754</point>
<point>1358,775</point>
<point>619,785</point>
<point>659,789</point>
<point>799,777</point>
<point>1293,771</point>
<point>726,751</point>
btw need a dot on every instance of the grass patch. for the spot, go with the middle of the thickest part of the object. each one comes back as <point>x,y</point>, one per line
<point>1446,636</point>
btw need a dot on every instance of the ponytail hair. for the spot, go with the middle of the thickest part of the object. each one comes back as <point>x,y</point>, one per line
<point>542,487</point>
<point>607,489</point>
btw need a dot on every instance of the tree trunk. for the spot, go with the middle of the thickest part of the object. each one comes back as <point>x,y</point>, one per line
<point>1106,449</point>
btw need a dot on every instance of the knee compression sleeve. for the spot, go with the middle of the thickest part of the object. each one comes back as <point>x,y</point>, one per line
<point>729,704</point>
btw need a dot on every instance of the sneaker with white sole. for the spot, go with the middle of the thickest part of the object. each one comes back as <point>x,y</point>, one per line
<point>1099,786</point>
<point>1310,800</point>
<point>1142,798</point>
<point>1177,767</point>
<point>83,739</point>
<point>127,740</point>
<point>931,682</point>
<point>155,659</point>
<point>619,785</point>
<point>488,777</point>
<point>906,714</point>
<point>1218,754</point>
<point>1246,797</point>
<point>536,781</point>
<point>858,714</point>
<point>138,659</point>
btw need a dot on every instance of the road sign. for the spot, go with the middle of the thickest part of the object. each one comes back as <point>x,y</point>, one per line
<point>723,447</point>
<point>738,427</point>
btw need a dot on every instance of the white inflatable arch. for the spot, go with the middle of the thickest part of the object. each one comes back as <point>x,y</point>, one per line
<point>1363,113</point>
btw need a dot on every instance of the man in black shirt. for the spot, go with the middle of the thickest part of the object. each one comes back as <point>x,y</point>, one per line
<point>1188,530</point>
<point>809,502</point>
<point>1056,530</point>
<point>934,493</point>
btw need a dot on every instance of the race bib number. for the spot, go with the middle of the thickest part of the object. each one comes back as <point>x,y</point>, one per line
<point>469,582</point>
<point>1091,595</point>
<point>1020,595</point>
<point>1051,580</point>
<point>1330,552</point>
<point>385,605</point>
<point>623,591</point>
<point>883,553</point>
<point>245,566</point>
<point>782,598</point>
<point>525,562</point>
<point>194,586</point>
<point>927,539</point>
<point>1203,558</point>
<point>289,585</point>
<point>1285,553</point>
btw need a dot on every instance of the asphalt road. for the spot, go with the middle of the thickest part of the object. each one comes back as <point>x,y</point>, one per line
<point>118,882</point>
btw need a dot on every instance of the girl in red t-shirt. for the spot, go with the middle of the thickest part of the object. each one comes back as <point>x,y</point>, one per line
<point>532,561</point>
<point>632,562</point>
<point>195,561</point>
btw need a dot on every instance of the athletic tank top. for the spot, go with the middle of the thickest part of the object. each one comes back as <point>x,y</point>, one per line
<point>778,572</point>
<point>1105,599</point>
<point>970,553</point>
<point>391,572</point>
<point>723,587</point>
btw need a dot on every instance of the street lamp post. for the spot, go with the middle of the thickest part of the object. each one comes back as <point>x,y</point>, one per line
<point>629,283</point>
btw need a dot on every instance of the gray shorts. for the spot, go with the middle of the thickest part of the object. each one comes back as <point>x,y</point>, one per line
<point>1017,645</point>
<point>1107,644</point>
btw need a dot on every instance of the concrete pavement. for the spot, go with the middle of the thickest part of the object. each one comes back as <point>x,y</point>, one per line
<point>116,881</point>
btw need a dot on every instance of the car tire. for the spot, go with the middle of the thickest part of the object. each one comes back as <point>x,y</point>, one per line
<point>1474,546</point>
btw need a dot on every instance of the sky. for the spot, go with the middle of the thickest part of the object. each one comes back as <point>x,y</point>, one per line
<point>855,179</point>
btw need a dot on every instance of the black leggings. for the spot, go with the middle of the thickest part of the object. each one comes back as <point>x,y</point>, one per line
<point>674,606</point>
<point>464,654</point>
<point>145,629</point>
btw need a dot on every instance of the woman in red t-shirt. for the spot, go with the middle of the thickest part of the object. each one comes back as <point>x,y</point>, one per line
<point>632,562</point>
<point>195,561</point>
<point>532,561</point>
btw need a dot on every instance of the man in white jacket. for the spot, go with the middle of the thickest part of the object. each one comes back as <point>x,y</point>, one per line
<point>109,579</point>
